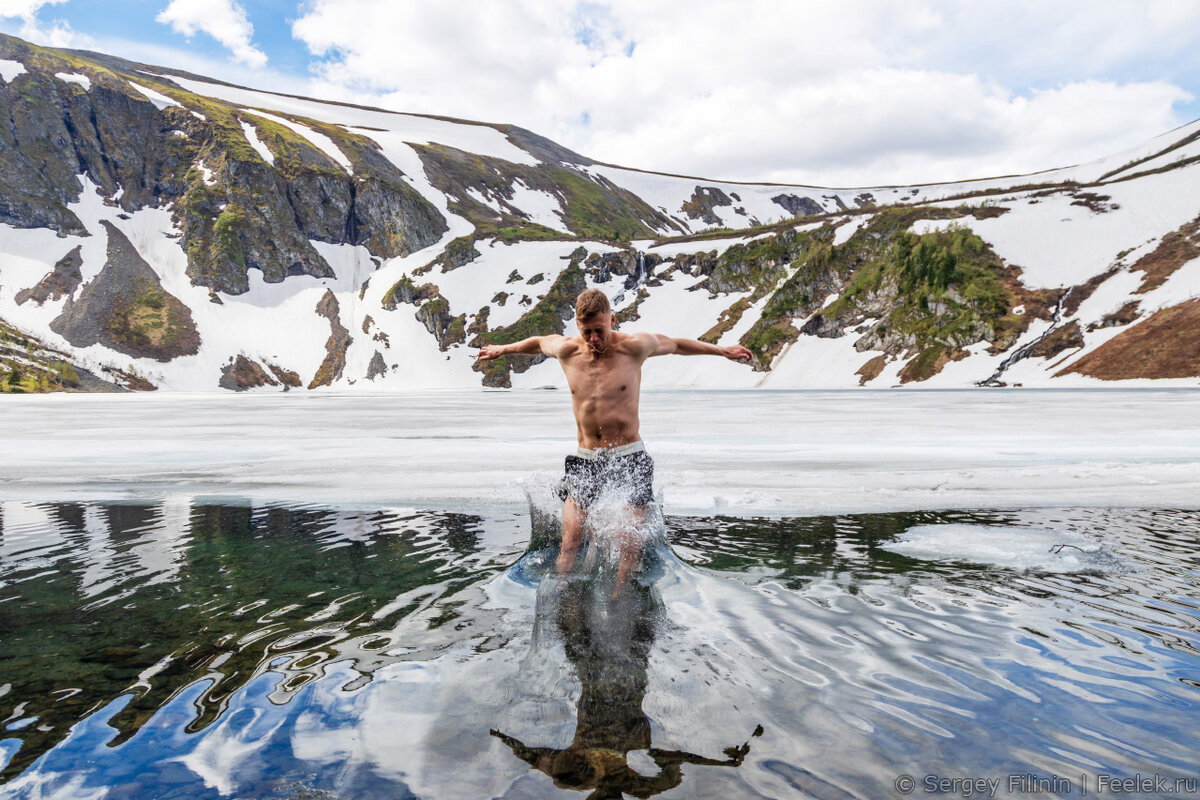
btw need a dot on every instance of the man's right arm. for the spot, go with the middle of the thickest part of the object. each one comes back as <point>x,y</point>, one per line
<point>534,345</point>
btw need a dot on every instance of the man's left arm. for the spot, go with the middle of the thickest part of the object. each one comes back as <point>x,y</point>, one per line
<point>666,345</point>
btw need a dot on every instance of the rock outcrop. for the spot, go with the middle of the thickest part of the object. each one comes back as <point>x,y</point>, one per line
<point>126,309</point>
<point>193,154</point>
<point>335,347</point>
<point>63,280</point>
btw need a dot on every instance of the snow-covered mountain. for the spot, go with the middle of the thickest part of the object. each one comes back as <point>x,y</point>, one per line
<point>163,230</point>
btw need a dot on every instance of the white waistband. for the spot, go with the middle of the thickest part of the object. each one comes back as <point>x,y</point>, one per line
<point>611,452</point>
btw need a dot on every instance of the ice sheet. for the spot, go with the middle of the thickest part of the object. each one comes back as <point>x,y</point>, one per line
<point>763,453</point>
<point>1004,546</point>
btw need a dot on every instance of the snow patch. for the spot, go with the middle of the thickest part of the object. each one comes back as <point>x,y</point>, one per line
<point>252,137</point>
<point>159,99</point>
<point>206,174</point>
<point>318,140</point>
<point>74,77</point>
<point>848,229</point>
<point>10,69</point>
<point>542,208</point>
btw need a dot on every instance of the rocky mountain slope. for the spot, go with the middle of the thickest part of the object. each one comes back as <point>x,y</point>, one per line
<point>163,230</point>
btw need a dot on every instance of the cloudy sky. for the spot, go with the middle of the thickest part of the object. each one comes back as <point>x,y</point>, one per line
<point>846,93</point>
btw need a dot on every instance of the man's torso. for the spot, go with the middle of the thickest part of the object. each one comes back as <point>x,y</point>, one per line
<point>605,391</point>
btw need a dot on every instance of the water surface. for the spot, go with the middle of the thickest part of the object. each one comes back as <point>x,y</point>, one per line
<point>193,648</point>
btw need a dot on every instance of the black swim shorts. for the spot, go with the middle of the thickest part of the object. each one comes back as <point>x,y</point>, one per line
<point>627,471</point>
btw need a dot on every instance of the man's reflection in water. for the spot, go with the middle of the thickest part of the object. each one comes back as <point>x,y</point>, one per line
<point>609,644</point>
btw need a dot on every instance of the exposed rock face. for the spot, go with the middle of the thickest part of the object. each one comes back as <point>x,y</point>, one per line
<point>459,253</point>
<point>244,373</point>
<point>1064,337</point>
<point>51,130</point>
<point>246,214</point>
<point>1122,316</point>
<point>435,315</point>
<point>286,377</point>
<point>377,367</point>
<point>591,205</point>
<point>702,203</point>
<point>405,291</point>
<point>335,348</point>
<point>63,280</point>
<point>126,309</point>
<point>798,206</point>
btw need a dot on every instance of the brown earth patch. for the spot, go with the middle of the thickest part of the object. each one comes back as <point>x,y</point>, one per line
<point>870,370</point>
<point>1038,303</point>
<point>1176,249</point>
<point>929,362</point>
<point>1064,337</point>
<point>729,317</point>
<point>1164,345</point>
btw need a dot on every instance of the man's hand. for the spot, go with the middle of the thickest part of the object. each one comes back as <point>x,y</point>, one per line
<point>738,353</point>
<point>490,351</point>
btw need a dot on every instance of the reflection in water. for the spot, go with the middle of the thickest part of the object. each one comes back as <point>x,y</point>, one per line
<point>189,649</point>
<point>608,641</point>
<point>98,601</point>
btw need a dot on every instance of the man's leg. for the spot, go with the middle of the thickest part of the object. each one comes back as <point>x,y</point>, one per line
<point>573,519</point>
<point>630,536</point>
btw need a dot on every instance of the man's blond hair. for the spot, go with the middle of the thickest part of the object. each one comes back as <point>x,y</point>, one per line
<point>590,303</point>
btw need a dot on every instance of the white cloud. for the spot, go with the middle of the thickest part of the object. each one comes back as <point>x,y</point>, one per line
<point>849,93</point>
<point>54,34</point>
<point>223,20</point>
<point>24,9</point>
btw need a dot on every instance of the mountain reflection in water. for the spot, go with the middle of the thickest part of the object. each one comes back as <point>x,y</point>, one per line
<point>196,649</point>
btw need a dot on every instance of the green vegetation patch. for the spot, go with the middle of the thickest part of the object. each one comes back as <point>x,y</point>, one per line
<point>933,293</point>
<point>151,323</point>
<point>29,367</point>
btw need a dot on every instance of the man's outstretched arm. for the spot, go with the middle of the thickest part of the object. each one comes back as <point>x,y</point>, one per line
<point>665,345</point>
<point>534,345</point>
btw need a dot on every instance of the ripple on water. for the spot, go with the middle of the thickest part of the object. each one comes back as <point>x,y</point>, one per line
<point>262,651</point>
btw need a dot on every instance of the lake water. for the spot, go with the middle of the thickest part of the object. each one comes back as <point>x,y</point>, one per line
<point>941,593</point>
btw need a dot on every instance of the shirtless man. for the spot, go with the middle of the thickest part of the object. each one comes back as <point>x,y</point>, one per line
<point>604,372</point>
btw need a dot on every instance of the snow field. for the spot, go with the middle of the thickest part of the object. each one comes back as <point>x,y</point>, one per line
<point>473,138</point>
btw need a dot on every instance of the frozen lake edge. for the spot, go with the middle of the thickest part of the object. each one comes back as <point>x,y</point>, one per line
<point>735,453</point>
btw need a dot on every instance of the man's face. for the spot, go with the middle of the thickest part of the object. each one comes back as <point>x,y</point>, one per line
<point>596,331</point>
